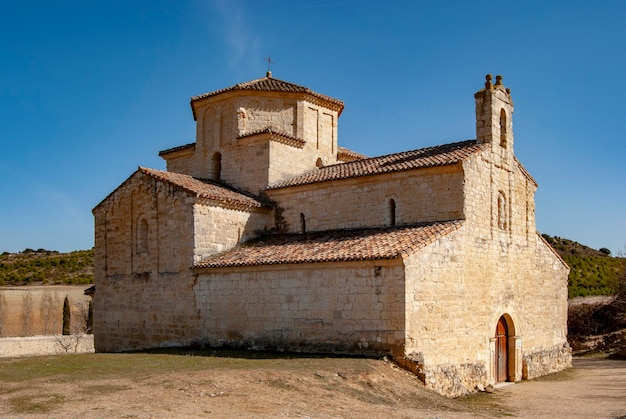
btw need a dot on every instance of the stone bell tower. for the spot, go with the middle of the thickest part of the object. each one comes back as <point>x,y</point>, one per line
<point>494,116</point>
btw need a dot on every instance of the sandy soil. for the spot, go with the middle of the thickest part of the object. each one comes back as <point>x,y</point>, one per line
<point>594,388</point>
<point>319,388</point>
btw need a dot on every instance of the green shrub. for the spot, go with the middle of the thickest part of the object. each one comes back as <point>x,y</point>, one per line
<point>47,267</point>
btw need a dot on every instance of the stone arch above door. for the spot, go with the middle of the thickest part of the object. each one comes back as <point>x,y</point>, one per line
<point>505,351</point>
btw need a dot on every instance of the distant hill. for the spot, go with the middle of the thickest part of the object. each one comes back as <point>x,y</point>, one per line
<point>46,267</point>
<point>593,272</point>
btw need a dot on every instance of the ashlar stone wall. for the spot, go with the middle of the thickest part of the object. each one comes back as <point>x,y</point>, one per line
<point>144,225</point>
<point>253,162</point>
<point>495,265</point>
<point>335,307</point>
<point>225,151</point>
<point>144,251</point>
<point>284,163</point>
<point>182,161</point>
<point>420,196</point>
<point>319,127</point>
<point>218,229</point>
<point>456,292</point>
<point>148,236</point>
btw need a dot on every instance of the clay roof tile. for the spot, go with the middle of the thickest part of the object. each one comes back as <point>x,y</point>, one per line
<point>270,84</point>
<point>441,155</point>
<point>207,189</point>
<point>332,246</point>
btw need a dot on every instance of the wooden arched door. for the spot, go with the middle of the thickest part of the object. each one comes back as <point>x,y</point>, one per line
<point>502,350</point>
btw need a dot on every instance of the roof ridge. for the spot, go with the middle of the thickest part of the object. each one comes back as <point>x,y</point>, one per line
<point>272,84</point>
<point>274,79</point>
<point>241,84</point>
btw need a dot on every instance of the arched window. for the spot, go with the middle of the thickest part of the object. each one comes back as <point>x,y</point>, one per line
<point>142,236</point>
<point>392,212</point>
<point>503,128</point>
<point>502,211</point>
<point>302,223</point>
<point>217,167</point>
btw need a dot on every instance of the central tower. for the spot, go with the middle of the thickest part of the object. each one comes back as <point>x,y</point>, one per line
<point>259,132</point>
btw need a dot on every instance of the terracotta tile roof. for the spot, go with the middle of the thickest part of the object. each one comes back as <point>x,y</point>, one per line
<point>207,189</point>
<point>276,135</point>
<point>345,155</point>
<point>175,149</point>
<point>441,155</point>
<point>270,84</point>
<point>332,246</point>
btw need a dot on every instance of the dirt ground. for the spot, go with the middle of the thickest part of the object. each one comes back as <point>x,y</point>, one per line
<point>594,388</point>
<point>160,386</point>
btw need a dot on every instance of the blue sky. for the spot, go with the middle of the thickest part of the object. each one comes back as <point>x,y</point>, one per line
<point>89,90</point>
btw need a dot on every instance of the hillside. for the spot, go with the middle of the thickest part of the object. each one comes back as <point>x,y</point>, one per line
<point>593,272</point>
<point>46,267</point>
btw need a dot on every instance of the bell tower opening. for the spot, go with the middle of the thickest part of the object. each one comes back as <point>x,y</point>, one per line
<point>502,128</point>
<point>494,112</point>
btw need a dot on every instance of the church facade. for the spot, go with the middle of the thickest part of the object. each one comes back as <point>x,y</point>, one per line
<point>266,234</point>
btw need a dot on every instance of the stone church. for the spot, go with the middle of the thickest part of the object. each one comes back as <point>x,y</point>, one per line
<point>264,233</point>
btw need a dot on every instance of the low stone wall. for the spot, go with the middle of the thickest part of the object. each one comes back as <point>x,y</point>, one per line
<point>35,310</point>
<point>449,380</point>
<point>545,362</point>
<point>456,380</point>
<point>45,345</point>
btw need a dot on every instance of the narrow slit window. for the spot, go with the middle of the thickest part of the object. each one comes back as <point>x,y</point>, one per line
<point>503,124</point>
<point>142,236</point>
<point>502,211</point>
<point>302,223</point>
<point>392,212</point>
<point>217,167</point>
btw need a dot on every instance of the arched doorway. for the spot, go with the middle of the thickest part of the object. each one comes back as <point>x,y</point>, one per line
<point>502,350</point>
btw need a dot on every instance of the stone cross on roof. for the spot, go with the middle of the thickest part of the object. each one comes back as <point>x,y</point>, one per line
<point>269,63</point>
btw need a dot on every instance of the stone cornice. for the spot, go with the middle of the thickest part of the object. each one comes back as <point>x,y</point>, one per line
<point>272,134</point>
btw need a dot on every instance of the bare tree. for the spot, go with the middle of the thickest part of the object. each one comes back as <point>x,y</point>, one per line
<point>81,319</point>
<point>69,343</point>
<point>27,314</point>
<point>47,312</point>
<point>79,313</point>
